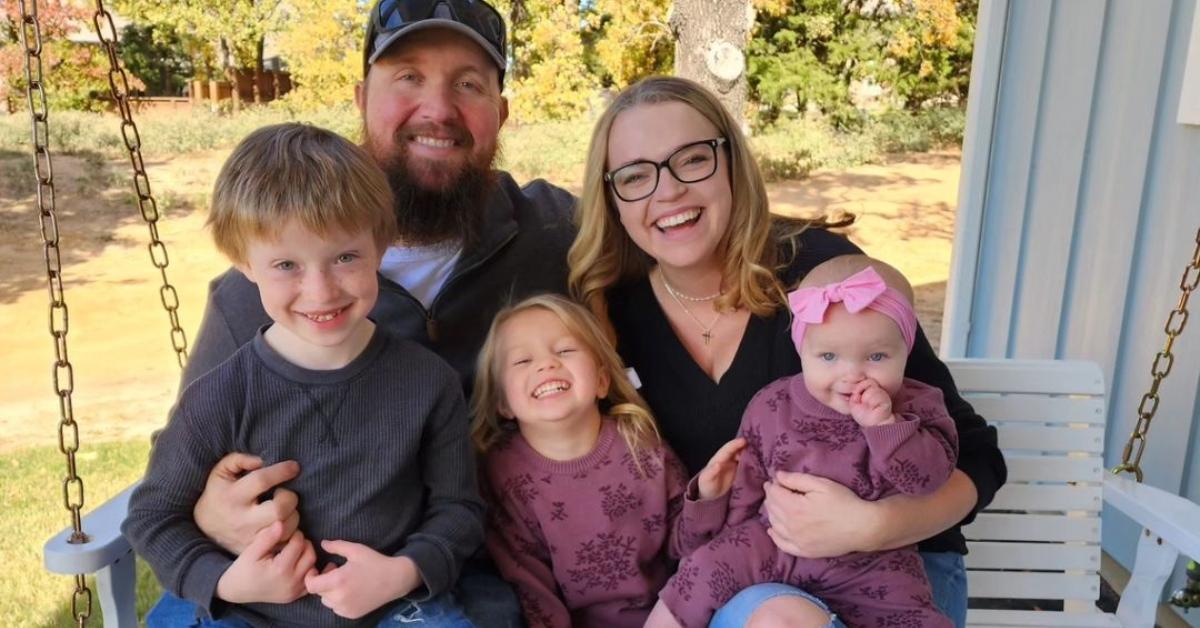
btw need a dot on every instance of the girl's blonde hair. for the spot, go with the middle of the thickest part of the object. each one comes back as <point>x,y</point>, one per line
<point>604,255</point>
<point>635,423</point>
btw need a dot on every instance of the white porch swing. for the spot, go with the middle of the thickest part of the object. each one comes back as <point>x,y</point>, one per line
<point>1039,540</point>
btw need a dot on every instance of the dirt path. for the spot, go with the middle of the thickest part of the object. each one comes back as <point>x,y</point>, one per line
<point>125,372</point>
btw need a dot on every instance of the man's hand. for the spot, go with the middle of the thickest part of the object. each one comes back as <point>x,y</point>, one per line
<point>814,517</point>
<point>228,511</point>
<point>716,477</point>
<point>365,582</point>
<point>261,575</point>
<point>871,405</point>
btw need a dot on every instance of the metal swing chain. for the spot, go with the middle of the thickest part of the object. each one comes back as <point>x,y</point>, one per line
<point>1131,458</point>
<point>118,83</point>
<point>63,372</point>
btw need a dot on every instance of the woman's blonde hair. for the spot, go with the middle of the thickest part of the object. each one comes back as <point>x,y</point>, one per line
<point>635,423</point>
<point>604,255</point>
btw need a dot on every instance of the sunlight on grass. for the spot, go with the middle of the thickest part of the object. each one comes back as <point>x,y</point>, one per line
<point>31,500</point>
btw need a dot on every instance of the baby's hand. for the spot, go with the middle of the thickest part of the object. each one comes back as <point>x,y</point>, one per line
<point>716,477</point>
<point>366,581</point>
<point>871,405</point>
<point>260,574</point>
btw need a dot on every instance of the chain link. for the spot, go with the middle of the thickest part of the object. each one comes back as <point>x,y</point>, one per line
<point>118,83</point>
<point>1131,457</point>
<point>63,372</point>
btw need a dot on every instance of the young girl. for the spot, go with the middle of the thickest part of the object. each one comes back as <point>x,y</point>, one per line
<point>587,505</point>
<point>852,417</point>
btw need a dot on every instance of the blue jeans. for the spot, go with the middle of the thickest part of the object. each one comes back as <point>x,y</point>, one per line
<point>737,610</point>
<point>442,611</point>
<point>480,599</point>
<point>947,577</point>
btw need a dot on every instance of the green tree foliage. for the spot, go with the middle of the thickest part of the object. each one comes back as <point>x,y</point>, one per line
<point>808,52</point>
<point>322,42</point>
<point>634,40</point>
<point>553,82</point>
<point>237,26</point>
<point>74,73</point>
<point>160,60</point>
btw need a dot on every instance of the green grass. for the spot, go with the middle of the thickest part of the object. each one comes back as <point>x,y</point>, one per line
<point>32,507</point>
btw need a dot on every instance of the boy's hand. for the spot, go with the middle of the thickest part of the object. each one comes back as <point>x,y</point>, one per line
<point>716,477</point>
<point>365,582</point>
<point>228,511</point>
<point>261,575</point>
<point>871,405</point>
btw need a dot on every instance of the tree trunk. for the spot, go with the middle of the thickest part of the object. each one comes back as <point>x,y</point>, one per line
<point>710,47</point>
<point>517,18</point>
<point>258,70</point>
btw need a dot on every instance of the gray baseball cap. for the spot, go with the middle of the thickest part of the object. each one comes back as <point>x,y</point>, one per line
<point>391,20</point>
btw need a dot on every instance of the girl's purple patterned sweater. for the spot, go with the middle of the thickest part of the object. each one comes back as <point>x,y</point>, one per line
<point>590,541</point>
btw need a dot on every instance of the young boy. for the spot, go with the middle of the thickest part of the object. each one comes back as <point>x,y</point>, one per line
<point>388,502</point>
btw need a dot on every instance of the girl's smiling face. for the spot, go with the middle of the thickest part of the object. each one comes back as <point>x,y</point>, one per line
<point>547,374</point>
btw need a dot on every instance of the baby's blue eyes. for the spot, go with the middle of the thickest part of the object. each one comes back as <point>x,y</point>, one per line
<point>830,356</point>
<point>285,265</point>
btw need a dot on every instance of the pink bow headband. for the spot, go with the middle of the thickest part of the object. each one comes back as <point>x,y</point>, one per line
<point>862,290</point>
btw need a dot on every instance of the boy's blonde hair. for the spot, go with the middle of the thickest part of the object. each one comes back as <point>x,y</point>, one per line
<point>298,172</point>
<point>635,423</point>
<point>604,255</point>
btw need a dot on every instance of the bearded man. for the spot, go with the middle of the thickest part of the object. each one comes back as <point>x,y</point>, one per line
<point>471,238</point>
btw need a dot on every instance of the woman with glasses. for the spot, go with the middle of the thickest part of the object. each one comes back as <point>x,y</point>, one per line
<point>678,254</point>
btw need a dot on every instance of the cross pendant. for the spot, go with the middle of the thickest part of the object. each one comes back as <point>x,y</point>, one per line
<point>707,336</point>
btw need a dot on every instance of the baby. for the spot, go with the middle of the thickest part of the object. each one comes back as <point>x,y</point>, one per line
<point>851,416</point>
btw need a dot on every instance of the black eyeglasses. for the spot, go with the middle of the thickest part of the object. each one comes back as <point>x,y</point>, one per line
<point>390,16</point>
<point>691,163</point>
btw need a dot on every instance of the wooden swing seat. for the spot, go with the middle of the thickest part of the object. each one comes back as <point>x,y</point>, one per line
<point>1039,539</point>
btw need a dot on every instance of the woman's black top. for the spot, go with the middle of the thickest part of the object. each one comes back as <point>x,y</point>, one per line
<point>697,415</point>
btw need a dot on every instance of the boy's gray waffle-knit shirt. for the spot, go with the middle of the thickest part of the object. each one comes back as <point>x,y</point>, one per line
<point>384,461</point>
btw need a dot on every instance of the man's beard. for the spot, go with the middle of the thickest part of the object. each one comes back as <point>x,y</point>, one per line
<point>451,208</point>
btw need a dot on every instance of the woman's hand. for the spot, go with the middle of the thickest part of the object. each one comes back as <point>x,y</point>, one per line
<point>812,517</point>
<point>716,478</point>
<point>228,511</point>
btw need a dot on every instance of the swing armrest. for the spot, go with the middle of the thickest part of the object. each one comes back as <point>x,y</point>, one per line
<point>105,547</point>
<point>1171,517</point>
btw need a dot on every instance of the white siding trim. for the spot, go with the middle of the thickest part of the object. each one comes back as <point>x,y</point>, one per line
<point>1189,98</point>
<point>972,190</point>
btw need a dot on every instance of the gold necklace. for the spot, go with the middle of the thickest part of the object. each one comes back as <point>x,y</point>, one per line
<point>705,330</point>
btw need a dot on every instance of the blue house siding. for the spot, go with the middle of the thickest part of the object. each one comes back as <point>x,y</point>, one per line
<point>1079,209</point>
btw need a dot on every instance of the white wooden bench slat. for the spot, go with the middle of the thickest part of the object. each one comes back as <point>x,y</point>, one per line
<point>1038,409</point>
<point>1037,556</point>
<point>1032,585</point>
<point>981,618</point>
<point>1027,468</point>
<point>1049,377</point>
<point>997,527</point>
<point>1052,439</point>
<point>1048,497</point>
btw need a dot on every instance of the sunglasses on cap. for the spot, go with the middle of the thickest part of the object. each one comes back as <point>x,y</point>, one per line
<point>474,18</point>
